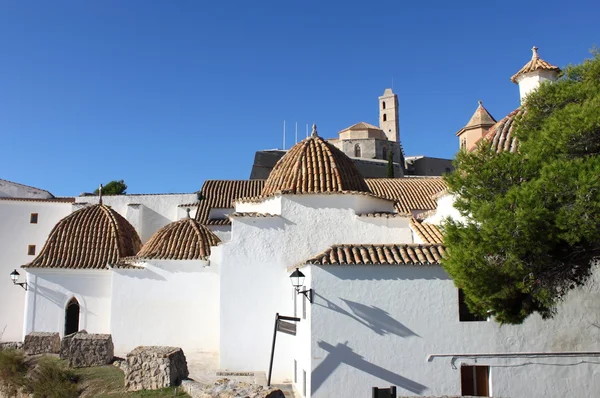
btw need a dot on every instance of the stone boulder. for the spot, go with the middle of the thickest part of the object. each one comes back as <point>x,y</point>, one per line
<point>11,345</point>
<point>154,367</point>
<point>83,349</point>
<point>226,388</point>
<point>41,343</point>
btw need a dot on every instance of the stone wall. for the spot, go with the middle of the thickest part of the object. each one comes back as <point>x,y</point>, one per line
<point>226,388</point>
<point>84,350</point>
<point>154,367</point>
<point>11,345</point>
<point>41,343</point>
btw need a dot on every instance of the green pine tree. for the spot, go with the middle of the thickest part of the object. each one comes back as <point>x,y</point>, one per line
<point>390,164</point>
<point>532,229</point>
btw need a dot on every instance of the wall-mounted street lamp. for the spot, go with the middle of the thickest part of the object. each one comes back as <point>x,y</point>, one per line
<point>14,276</point>
<point>297,278</point>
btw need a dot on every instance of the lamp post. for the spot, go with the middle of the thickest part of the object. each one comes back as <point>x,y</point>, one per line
<point>14,276</point>
<point>297,278</point>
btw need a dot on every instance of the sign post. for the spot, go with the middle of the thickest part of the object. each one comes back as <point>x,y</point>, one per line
<point>283,324</point>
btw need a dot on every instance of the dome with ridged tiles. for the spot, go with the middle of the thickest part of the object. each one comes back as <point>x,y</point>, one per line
<point>314,166</point>
<point>90,238</point>
<point>185,239</point>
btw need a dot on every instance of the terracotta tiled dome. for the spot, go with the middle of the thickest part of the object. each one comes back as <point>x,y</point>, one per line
<point>185,239</point>
<point>501,135</point>
<point>90,238</point>
<point>314,166</point>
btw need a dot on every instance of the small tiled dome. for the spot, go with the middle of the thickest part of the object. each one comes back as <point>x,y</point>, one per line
<point>185,239</point>
<point>501,136</point>
<point>314,166</point>
<point>535,64</point>
<point>90,238</point>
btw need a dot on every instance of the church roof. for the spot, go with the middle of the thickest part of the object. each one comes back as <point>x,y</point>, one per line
<point>362,126</point>
<point>429,233</point>
<point>481,117</point>
<point>536,63</point>
<point>314,166</point>
<point>219,194</point>
<point>89,238</point>
<point>409,193</point>
<point>501,135</point>
<point>388,254</point>
<point>185,239</point>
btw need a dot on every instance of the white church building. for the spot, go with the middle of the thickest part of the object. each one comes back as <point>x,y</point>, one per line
<point>209,273</point>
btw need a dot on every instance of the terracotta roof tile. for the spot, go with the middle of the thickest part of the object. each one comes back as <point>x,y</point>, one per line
<point>89,238</point>
<point>390,254</point>
<point>314,166</point>
<point>251,214</point>
<point>362,126</point>
<point>536,63</point>
<point>409,193</point>
<point>185,239</point>
<point>219,194</point>
<point>501,135</point>
<point>429,233</point>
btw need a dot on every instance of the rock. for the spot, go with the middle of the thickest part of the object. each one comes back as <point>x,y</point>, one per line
<point>83,349</point>
<point>226,388</point>
<point>41,343</point>
<point>11,345</point>
<point>154,367</point>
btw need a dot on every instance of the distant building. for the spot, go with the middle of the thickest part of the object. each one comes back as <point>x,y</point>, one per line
<point>9,189</point>
<point>368,146</point>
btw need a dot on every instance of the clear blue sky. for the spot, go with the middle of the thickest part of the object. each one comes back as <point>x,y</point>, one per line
<point>166,94</point>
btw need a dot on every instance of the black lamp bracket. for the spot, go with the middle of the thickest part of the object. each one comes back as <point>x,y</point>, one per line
<point>307,293</point>
<point>22,284</point>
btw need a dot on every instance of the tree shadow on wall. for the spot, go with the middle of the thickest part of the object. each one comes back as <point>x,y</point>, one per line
<point>341,353</point>
<point>372,317</point>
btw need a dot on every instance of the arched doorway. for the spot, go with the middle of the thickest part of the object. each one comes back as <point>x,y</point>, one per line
<point>72,317</point>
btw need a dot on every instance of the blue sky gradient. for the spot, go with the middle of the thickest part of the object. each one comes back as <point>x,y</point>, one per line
<point>166,94</point>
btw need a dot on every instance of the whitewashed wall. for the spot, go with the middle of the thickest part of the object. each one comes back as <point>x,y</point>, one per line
<point>375,326</point>
<point>254,277</point>
<point>531,81</point>
<point>173,303</point>
<point>445,209</point>
<point>147,213</point>
<point>50,290</point>
<point>16,234</point>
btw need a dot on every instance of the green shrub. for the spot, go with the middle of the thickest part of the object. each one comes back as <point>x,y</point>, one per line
<point>51,378</point>
<point>13,369</point>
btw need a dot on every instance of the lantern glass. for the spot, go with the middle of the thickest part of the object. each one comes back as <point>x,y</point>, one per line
<point>14,276</point>
<point>297,278</point>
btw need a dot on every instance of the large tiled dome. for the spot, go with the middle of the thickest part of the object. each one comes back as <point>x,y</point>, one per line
<point>501,135</point>
<point>185,239</point>
<point>314,166</point>
<point>90,238</point>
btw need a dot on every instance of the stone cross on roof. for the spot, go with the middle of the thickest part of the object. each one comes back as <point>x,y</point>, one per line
<point>314,131</point>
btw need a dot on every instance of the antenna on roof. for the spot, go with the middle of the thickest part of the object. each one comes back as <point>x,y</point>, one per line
<point>296,132</point>
<point>392,83</point>
<point>100,194</point>
<point>306,130</point>
<point>188,212</point>
<point>284,135</point>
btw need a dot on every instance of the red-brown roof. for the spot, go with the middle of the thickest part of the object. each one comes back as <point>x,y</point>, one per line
<point>389,254</point>
<point>89,238</point>
<point>536,63</point>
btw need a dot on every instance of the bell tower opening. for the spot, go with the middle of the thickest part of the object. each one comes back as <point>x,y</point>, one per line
<point>72,317</point>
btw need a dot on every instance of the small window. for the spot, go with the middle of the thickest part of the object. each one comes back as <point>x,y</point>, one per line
<point>384,117</point>
<point>464,315</point>
<point>31,250</point>
<point>357,151</point>
<point>295,295</point>
<point>475,381</point>
<point>295,371</point>
<point>304,307</point>
<point>33,218</point>
<point>383,105</point>
<point>304,383</point>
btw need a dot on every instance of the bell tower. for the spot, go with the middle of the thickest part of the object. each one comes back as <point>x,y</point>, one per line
<point>388,115</point>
